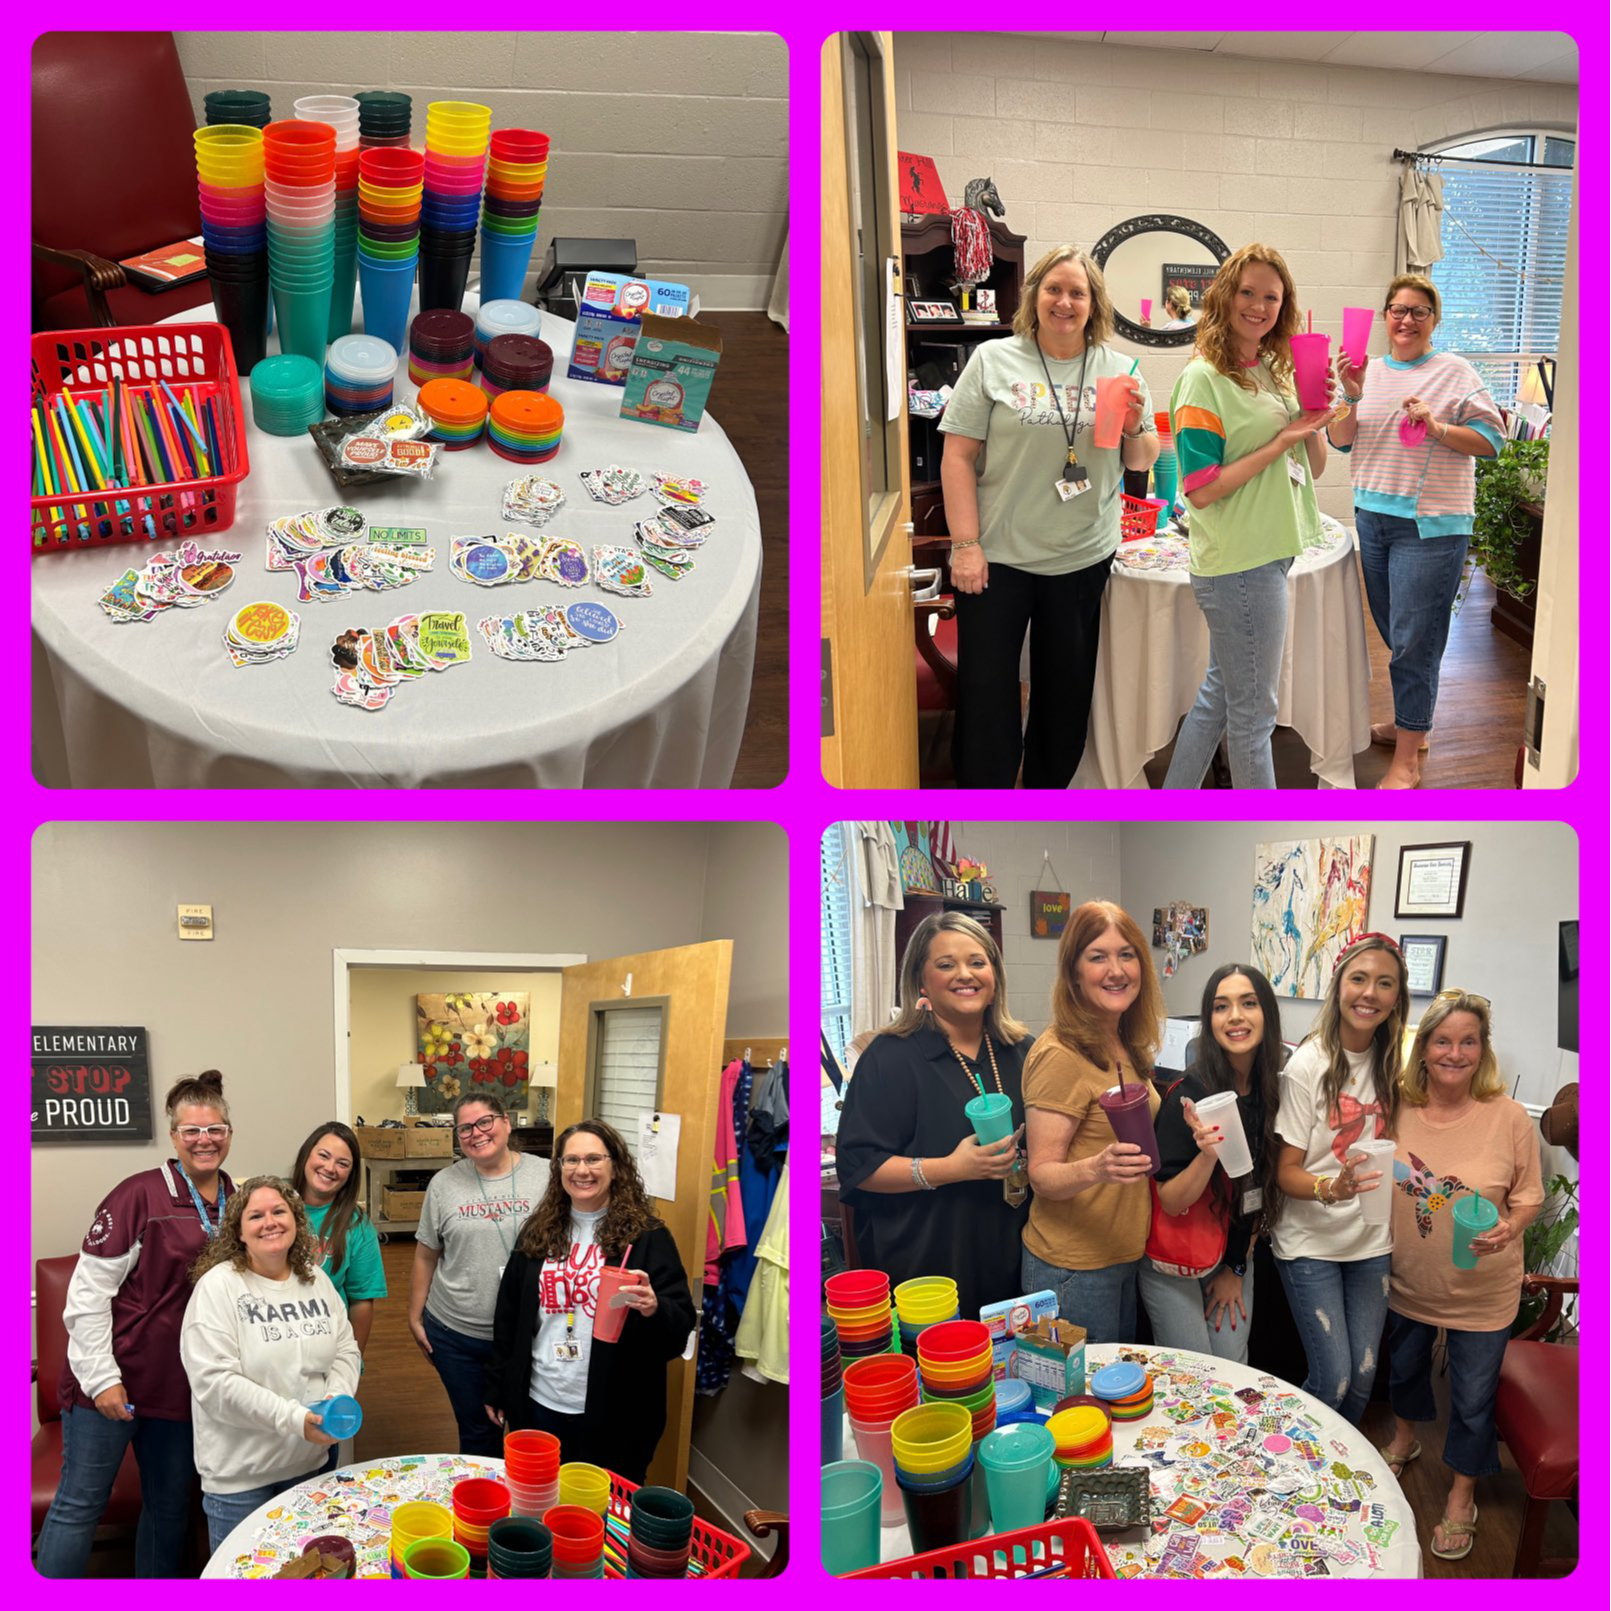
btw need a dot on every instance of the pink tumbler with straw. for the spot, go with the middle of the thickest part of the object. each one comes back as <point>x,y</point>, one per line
<point>608,1318</point>
<point>1311,363</point>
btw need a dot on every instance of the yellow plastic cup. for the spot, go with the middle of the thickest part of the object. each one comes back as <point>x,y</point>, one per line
<point>458,112</point>
<point>456,145</point>
<point>416,1520</point>
<point>933,1437</point>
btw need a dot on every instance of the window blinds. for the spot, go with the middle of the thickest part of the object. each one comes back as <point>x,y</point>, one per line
<point>836,896</point>
<point>627,1078</point>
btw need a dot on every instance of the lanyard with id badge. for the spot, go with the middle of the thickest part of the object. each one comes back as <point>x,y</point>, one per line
<point>1075,478</point>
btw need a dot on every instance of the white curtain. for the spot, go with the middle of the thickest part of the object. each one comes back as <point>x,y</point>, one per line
<point>1420,221</point>
<point>876,861</point>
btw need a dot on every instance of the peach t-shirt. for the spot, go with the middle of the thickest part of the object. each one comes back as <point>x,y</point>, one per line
<point>1491,1148</point>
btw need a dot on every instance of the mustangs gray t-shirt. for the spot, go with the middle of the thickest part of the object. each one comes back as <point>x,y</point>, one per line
<point>1001,400</point>
<point>474,1224</point>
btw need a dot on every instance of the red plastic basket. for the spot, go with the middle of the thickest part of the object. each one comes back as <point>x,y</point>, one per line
<point>1071,1544</point>
<point>197,357</point>
<point>1138,517</point>
<point>719,1553</point>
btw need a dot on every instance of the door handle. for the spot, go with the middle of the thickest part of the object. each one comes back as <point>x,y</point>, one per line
<point>925,582</point>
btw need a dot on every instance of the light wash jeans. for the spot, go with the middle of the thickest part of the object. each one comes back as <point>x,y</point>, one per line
<point>225,1512</point>
<point>1175,1305</point>
<point>1103,1301</point>
<point>1340,1310</point>
<point>1247,631</point>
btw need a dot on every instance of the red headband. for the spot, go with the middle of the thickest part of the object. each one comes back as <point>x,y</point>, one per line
<point>1360,939</point>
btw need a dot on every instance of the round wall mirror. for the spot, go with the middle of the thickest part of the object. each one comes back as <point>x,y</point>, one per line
<point>1145,260</point>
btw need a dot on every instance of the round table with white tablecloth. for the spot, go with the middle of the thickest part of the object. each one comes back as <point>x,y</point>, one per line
<point>158,703</point>
<point>1265,1481</point>
<point>1155,651</point>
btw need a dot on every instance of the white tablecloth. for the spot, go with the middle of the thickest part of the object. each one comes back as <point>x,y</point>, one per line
<point>1155,651</point>
<point>1197,1452</point>
<point>158,704</point>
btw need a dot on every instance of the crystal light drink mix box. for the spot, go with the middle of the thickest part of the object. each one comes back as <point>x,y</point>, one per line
<point>608,320</point>
<point>672,368</point>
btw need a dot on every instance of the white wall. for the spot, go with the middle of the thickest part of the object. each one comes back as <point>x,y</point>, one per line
<point>679,140</point>
<point>1080,137</point>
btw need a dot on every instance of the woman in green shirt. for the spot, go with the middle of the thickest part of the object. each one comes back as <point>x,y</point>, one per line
<point>1248,461</point>
<point>326,1178</point>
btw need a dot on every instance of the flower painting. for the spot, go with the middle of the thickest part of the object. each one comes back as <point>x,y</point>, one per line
<point>470,1043</point>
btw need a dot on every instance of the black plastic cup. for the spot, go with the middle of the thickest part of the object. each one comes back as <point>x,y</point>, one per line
<point>242,308</point>
<point>443,281</point>
<point>447,240</point>
<point>939,1520</point>
<point>250,108</point>
<point>384,106</point>
<point>511,209</point>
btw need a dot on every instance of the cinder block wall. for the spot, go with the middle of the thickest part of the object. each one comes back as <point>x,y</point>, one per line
<point>1078,137</point>
<point>677,140</point>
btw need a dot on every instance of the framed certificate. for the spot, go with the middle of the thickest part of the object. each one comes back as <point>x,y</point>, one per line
<point>1423,962</point>
<point>1432,880</point>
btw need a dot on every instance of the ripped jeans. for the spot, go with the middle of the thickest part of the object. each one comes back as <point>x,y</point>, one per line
<point>1340,1310</point>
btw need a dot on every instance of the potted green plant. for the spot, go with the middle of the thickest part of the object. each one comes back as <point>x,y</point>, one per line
<point>1542,1242</point>
<point>1502,530</point>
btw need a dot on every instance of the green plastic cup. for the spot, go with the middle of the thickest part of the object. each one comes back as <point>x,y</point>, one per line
<point>991,1117</point>
<point>436,1558</point>
<point>303,316</point>
<point>1472,1217</point>
<point>851,1493</point>
<point>1015,1461</point>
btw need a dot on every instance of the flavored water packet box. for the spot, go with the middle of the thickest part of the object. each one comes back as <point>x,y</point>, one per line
<point>1051,1358</point>
<point>608,319</point>
<point>673,365</point>
<point>1005,1319</point>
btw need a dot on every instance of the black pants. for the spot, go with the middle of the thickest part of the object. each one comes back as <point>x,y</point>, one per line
<point>577,1443</point>
<point>1066,615</point>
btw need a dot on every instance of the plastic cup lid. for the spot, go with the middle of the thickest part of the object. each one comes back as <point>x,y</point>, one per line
<point>362,360</point>
<point>289,377</point>
<point>1122,1380</point>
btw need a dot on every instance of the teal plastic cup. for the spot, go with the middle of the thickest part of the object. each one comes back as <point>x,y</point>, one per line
<point>851,1493</point>
<point>303,316</point>
<point>1472,1217</point>
<point>991,1117</point>
<point>343,293</point>
<point>1015,1460</point>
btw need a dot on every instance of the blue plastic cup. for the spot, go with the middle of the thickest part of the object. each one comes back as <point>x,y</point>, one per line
<point>340,1416</point>
<point>386,288</point>
<point>503,265</point>
<point>991,1117</point>
<point>851,1493</point>
<point>1015,1459</point>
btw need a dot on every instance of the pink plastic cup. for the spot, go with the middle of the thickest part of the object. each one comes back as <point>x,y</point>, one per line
<point>608,1318</point>
<point>1113,395</point>
<point>1311,365</point>
<point>1356,334</point>
<point>1146,308</point>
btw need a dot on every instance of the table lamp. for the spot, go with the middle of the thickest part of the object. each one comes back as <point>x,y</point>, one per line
<point>410,1078</point>
<point>1538,384</point>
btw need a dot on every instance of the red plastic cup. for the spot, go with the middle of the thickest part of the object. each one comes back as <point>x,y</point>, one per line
<point>532,1455</point>
<point>578,1533</point>
<point>392,167</point>
<point>856,1289</point>
<point>480,1501</point>
<point>953,1341</point>
<point>609,1317</point>
<point>1113,397</point>
<point>519,145</point>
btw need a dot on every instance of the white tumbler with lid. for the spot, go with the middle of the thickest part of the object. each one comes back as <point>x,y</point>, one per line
<point>1221,1109</point>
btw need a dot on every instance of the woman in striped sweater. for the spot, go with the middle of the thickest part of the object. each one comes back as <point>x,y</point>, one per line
<point>1419,421</point>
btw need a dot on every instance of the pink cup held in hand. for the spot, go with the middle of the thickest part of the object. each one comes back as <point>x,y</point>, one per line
<point>1356,334</point>
<point>608,1318</point>
<point>1146,308</point>
<point>1311,364</point>
<point>1113,396</point>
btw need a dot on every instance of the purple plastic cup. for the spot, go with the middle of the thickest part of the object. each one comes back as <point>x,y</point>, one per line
<point>1131,1117</point>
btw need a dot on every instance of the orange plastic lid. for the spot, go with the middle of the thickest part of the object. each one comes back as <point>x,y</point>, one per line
<point>525,412</point>
<point>453,402</point>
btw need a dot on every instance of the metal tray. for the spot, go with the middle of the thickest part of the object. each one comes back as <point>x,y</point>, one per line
<point>1112,1500</point>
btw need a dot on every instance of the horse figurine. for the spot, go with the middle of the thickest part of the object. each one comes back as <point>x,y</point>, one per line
<point>981,196</point>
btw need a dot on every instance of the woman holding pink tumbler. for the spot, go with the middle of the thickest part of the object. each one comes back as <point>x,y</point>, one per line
<point>1091,1105</point>
<point>1249,456</point>
<point>1458,1134</point>
<point>1418,420</point>
<point>576,1350</point>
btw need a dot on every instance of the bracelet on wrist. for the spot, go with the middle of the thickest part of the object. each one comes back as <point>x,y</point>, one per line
<point>919,1179</point>
<point>966,542</point>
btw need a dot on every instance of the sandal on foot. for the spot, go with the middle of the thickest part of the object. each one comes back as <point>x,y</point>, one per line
<point>1463,1533</point>
<point>1414,783</point>
<point>1385,734</point>
<point>1397,1462</point>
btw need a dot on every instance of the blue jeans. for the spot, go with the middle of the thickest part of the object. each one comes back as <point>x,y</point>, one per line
<point>461,1362</point>
<point>1247,631</point>
<point>1176,1304</point>
<point>1103,1301</point>
<point>225,1512</point>
<point>92,1450</point>
<point>1410,584</point>
<point>1471,1445</point>
<point>1340,1310</point>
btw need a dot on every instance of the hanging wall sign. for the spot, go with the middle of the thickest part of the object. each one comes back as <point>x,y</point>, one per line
<point>1049,908</point>
<point>89,1086</point>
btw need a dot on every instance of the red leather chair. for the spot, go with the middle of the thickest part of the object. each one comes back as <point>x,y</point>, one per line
<point>114,174</point>
<point>51,1277</point>
<point>1536,1414</point>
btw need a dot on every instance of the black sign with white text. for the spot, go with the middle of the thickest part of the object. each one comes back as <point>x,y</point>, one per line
<point>89,1086</point>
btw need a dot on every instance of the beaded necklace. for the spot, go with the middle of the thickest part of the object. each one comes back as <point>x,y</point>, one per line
<point>968,1070</point>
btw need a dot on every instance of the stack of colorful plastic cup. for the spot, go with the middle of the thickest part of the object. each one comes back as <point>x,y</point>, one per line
<point>287,394</point>
<point>526,427</point>
<point>833,1394</point>
<point>1126,1389</point>
<point>926,1300</point>
<point>933,1449</point>
<point>390,184</point>
<point>519,1547</point>
<point>1015,1461</point>
<point>660,1533</point>
<point>517,364</point>
<point>1166,468</point>
<point>1082,1438</point>
<point>437,1558</point>
<point>852,1491</point>
<point>578,1541</point>
<point>858,1300</point>
<point>441,346</point>
<point>456,136</point>
<point>359,373</point>
<point>384,118</point>
<point>413,1521</point>
<point>531,1471</point>
<point>504,319</point>
<point>299,190</point>
<point>457,410</point>
<point>956,1361</point>
<point>584,1485</point>
<point>238,106</point>
<point>234,231</point>
<point>877,1391</point>
<point>477,1503</point>
<point>516,175</point>
<point>340,112</point>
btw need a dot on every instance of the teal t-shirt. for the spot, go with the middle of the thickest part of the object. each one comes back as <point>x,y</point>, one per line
<point>362,1274</point>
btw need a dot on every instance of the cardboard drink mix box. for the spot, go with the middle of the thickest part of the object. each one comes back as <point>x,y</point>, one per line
<point>1051,1357</point>
<point>608,321</point>
<point>672,368</point>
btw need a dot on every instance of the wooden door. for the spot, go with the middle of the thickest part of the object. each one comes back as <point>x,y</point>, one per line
<point>689,986</point>
<point>870,710</point>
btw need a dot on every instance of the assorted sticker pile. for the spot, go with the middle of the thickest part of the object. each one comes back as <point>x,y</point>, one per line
<point>335,572</point>
<point>615,483</point>
<point>261,632</point>
<point>533,499</point>
<point>669,538</point>
<point>181,580</point>
<point>371,665</point>
<point>297,537</point>
<point>679,489</point>
<point>549,633</point>
<point>495,561</point>
<point>619,570</point>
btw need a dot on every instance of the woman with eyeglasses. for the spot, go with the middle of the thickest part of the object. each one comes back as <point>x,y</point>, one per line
<point>1458,1134</point>
<point>1417,422</point>
<point>472,1216</point>
<point>586,1363</point>
<point>123,1382</point>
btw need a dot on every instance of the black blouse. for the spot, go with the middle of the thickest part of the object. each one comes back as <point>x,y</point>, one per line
<point>905,1100</point>
<point>1177,1151</point>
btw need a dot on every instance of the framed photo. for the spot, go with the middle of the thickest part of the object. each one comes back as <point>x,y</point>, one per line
<point>912,292</point>
<point>1432,880</point>
<point>1423,962</point>
<point>934,313</point>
